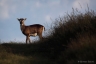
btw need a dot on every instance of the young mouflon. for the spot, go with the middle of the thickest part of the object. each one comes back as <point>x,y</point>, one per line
<point>31,30</point>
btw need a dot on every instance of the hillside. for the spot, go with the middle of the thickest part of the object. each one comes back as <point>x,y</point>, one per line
<point>72,40</point>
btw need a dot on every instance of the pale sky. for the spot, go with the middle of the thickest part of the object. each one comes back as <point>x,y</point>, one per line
<point>36,11</point>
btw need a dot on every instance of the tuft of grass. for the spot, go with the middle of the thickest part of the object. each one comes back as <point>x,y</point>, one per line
<point>77,30</point>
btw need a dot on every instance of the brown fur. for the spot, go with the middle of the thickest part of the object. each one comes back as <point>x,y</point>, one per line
<point>31,30</point>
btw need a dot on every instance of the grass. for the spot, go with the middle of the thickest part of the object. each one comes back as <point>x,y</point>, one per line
<point>71,40</point>
<point>10,58</point>
<point>83,49</point>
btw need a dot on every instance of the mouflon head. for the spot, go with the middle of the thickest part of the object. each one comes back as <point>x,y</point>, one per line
<point>21,20</point>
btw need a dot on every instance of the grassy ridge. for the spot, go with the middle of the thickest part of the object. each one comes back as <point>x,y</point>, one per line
<point>72,40</point>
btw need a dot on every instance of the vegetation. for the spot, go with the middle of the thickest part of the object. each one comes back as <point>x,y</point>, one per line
<point>72,40</point>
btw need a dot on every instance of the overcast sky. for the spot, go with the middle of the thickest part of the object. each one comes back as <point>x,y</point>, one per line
<point>36,11</point>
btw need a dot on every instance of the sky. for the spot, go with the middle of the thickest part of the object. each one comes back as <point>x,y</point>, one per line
<point>37,12</point>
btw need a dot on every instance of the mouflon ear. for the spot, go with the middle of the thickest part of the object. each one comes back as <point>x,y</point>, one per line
<point>18,19</point>
<point>25,18</point>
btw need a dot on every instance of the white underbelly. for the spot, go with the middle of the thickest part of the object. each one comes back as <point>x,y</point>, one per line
<point>35,34</point>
